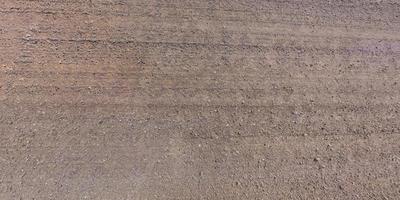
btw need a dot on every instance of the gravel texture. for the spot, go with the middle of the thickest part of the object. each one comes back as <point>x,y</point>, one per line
<point>199,99</point>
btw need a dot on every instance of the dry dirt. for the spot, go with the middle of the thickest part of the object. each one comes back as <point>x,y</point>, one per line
<point>199,99</point>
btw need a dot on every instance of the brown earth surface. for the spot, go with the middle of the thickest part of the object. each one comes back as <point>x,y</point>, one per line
<point>199,99</point>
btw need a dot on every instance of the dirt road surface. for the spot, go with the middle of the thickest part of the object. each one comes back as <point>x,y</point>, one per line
<point>199,99</point>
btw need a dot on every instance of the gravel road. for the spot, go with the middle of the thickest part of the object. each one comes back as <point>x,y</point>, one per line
<point>199,99</point>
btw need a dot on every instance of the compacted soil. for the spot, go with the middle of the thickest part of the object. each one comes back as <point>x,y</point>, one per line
<point>199,99</point>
